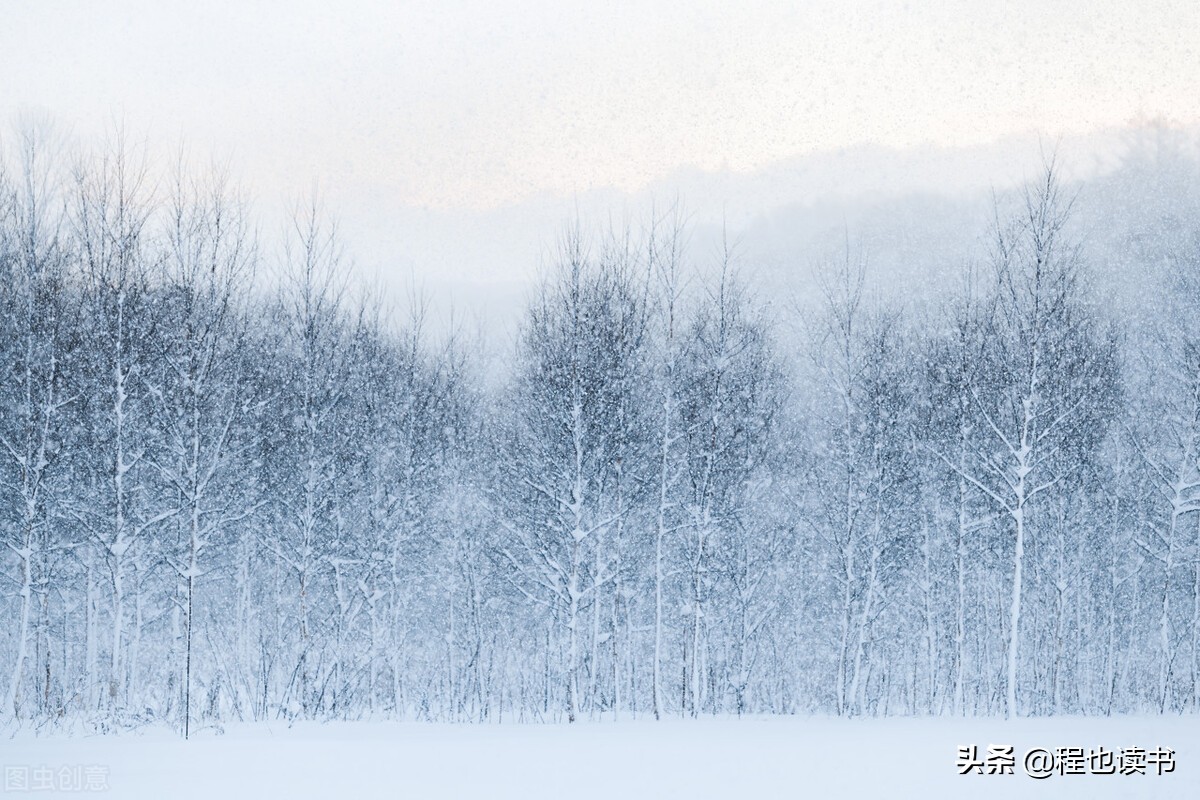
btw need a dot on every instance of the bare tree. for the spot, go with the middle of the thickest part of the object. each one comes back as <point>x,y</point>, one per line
<point>199,390</point>
<point>578,350</point>
<point>38,319</point>
<point>1037,404</point>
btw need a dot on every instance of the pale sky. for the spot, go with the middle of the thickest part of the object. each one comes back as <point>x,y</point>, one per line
<point>464,107</point>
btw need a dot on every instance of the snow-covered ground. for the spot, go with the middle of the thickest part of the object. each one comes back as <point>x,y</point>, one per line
<point>717,758</point>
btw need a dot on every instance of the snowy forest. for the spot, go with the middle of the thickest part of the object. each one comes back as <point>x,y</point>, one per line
<point>237,485</point>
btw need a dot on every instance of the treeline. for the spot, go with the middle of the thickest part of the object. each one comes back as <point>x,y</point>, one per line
<point>220,501</point>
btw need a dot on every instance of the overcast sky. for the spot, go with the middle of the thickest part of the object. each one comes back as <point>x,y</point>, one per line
<point>461,109</point>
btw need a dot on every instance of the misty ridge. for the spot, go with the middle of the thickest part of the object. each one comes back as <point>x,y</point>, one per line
<point>931,455</point>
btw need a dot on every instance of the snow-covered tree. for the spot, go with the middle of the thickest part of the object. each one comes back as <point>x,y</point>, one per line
<point>1039,402</point>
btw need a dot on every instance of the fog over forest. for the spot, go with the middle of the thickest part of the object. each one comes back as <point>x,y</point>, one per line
<point>906,453</point>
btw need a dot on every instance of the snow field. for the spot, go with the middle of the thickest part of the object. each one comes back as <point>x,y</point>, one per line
<point>759,757</point>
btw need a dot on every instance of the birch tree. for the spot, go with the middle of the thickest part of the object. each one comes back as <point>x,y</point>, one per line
<point>110,211</point>
<point>1166,435</point>
<point>733,391</point>
<point>1036,405</point>
<point>199,391</point>
<point>577,348</point>
<point>314,388</point>
<point>665,264</point>
<point>38,318</point>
